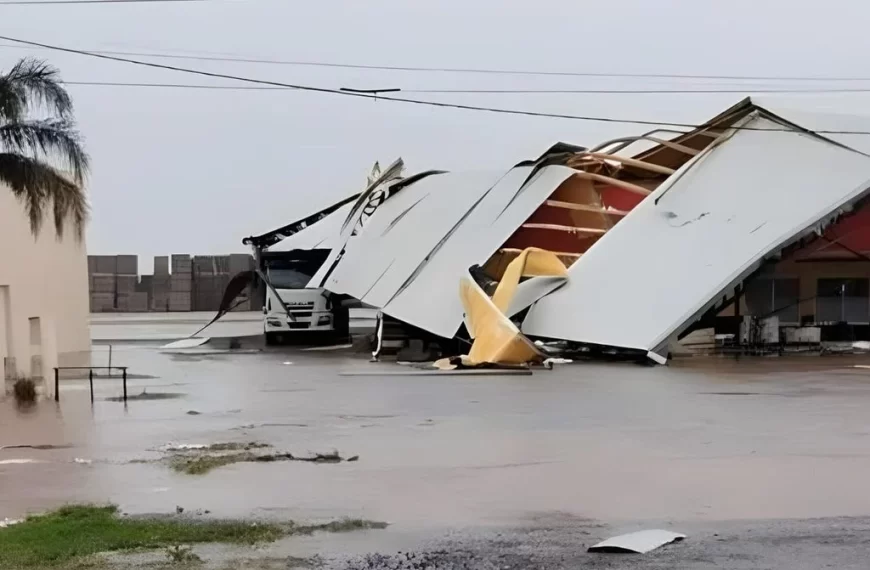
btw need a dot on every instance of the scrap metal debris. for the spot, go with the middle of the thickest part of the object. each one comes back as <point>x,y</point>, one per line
<point>497,340</point>
<point>639,542</point>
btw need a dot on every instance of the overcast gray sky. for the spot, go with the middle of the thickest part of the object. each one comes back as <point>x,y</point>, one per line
<point>195,171</point>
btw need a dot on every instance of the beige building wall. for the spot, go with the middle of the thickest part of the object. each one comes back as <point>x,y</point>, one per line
<point>44,302</point>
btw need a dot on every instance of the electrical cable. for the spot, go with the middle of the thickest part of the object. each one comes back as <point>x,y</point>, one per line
<point>484,91</point>
<point>63,2</point>
<point>480,71</point>
<point>376,97</point>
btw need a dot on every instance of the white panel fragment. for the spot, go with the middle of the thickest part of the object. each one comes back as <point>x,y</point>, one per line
<point>639,542</point>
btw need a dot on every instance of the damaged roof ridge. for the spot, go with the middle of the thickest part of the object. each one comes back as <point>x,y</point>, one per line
<point>753,112</point>
<point>795,127</point>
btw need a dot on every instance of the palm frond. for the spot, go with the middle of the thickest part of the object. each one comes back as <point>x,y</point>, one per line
<point>39,186</point>
<point>52,138</point>
<point>30,83</point>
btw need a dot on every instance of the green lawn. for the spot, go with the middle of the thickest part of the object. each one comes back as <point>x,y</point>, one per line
<point>75,532</point>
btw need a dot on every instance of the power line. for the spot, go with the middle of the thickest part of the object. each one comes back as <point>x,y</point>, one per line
<point>314,89</point>
<point>477,91</point>
<point>62,2</point>
<point>483,71</point>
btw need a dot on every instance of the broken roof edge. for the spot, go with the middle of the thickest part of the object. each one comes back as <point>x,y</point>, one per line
<point>279,234</point>
<point>735,113</point>
<point>801,129</point>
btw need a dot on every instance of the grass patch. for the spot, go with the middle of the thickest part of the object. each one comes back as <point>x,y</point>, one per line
<point>73,533</point>
<point>202,464</point>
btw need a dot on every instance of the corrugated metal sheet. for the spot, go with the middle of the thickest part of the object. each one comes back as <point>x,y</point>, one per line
<point>418,244</point>
<point>689,243</point>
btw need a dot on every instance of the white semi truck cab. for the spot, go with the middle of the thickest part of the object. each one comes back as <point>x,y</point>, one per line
<point>292,309</point>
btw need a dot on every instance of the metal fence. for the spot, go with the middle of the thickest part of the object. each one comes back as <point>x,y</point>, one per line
<point>90,370</point>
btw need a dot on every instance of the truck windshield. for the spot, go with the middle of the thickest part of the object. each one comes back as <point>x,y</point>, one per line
<point>293,270</point>
<point>289,278</point>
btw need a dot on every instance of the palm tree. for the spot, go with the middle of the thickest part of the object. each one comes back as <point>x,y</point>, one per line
<point>42,160</point>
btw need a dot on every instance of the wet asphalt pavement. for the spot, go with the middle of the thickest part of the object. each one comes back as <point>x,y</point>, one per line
<point>560,543</point>
<point>764,463</point>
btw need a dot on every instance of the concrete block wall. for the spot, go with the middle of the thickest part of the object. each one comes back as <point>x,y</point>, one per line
<point>161,265</point>
<point>159,300</point>
<point>127,265</point>
<point>179,283</point>
<point>179,301</point>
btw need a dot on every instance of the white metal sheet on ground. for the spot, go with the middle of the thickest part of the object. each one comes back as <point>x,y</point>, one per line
<point>323,234</point>
<point>412,272</point>
<point>711,224</point>
<point>639,542</point>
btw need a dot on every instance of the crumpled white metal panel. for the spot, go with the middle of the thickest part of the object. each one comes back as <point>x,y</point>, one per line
<point>402,231</point>
<point>639,542</point>
<point>431,300</point>
<point>323,234</point>
<point>418,244</point>
<point>710,225</point>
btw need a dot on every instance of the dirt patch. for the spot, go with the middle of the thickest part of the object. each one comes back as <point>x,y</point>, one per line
<point>196,459</point>
<point>200,464</point>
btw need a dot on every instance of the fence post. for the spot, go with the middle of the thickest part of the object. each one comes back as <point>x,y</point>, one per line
<point>91,380</point>
<point>124,371</point>
<point>56,384</point>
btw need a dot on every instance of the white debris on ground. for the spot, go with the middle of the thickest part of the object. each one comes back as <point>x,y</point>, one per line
<point>9,522</point>
<point>639,542</point>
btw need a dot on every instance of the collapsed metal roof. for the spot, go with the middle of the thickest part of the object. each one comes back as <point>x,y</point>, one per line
<point>416,246</point>
<point>754,190</point>
<point>427,230</point>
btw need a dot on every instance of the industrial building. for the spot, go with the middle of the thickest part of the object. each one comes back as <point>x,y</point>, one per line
<point>43,296</point>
